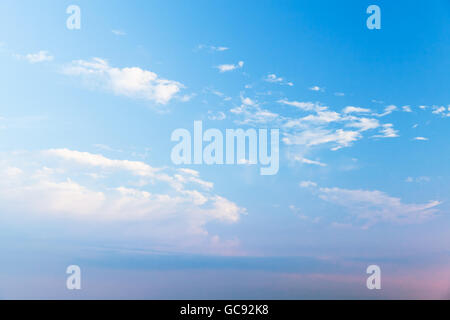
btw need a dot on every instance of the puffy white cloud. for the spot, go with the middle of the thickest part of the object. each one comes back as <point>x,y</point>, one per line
<point>131,82</point>
<point>316,88</point>
<point>352,109</point>
<point>230,67</point>
<point>52,190</point>
<point>174,206</point>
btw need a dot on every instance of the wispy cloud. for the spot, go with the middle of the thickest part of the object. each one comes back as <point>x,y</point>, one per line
<point>307,184</point>
<point>306,106</point>
<point>216,115</point>
<point>319,127</point>
<point>388,110</point>
<point>387,131</point>
<point>251,113</point>
<point>273,78</point>
<point>119,32</point>
<point>41,56</point>
<point>418,179</point>
<point>406,109</point>
<point>317,136</point>
<point>308,161</point>
<point>212,48</point>
<point>373,206</point>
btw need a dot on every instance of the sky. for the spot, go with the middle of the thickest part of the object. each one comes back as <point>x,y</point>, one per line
<point>87,178</point>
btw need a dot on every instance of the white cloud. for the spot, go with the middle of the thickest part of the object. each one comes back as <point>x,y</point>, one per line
<point>273,78</point>
<point>376,206</point>
<point>41,56</point>
<point>438,110</point>
<point>212,48</point>
<point>230,67</point>
<point>131,82</point>
<point>441,110</point>
<point>308,161</point>
<point>247,101</point>
<point>13,171</point>
<point>322,117</point>
<point>174,205</point>
<point>406,109</point>
<point>119,32</point>
<point>304,217</point>
<point>216,115</point>
<point>387,131</point>
<point>325,126</point>
<point>339,94</point>
<point>313,137</point>
<point>388,110</point>
<point>96,160</point>
<point>307,184</point>
<point>306,106</point>
<point>252,113</point>
<point>418,179</point>
<point>316,88</point>
<point>187,97</point>
<point>315,128</point>
<point>352,109</point>
<point>421,139</point>
<point>364,124</point>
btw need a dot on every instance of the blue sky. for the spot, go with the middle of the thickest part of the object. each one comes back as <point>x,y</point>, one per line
<point>86,118</point>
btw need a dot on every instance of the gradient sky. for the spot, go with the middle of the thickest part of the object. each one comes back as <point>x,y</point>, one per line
<point>86,176</point>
